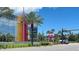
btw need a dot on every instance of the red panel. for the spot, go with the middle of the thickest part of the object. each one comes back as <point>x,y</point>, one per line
<point>25,31</point>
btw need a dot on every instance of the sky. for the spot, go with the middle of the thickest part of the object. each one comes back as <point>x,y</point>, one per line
<point>53,18</point>
<point>58,18</point>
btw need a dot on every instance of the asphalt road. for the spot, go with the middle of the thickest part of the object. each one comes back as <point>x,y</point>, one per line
<point>60,47</point>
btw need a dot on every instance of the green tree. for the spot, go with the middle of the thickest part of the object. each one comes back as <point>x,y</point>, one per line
<point>50,31</point>
<point>77,37</point>
<point>7,13</point>
<point>3,38</point>
<point>0,36</point>
<point>41,37</point>
<point>59,33</point>
<point>10,38</point>
<point>72,38</point>
<point>34,19</point>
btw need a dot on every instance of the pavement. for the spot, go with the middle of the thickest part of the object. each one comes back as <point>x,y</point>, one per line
<point>59,47</point>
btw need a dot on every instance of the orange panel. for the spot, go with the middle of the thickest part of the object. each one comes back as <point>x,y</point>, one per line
<point>20,28</point>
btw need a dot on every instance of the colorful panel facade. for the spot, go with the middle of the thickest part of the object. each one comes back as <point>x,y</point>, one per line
<point>19,28</point>
<point>25,30</point>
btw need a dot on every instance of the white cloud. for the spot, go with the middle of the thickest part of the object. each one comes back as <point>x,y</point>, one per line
<point>4,21</point>
<point>18,10</point>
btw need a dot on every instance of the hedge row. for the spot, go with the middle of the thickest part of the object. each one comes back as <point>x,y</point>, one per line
<point>4,46</point>
<point>14,46</point>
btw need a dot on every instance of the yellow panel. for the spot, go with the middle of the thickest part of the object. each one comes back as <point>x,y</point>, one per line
<point>20,28</point>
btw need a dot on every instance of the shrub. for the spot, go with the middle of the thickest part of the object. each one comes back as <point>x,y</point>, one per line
<point>56,40</point>
<point>36,44</point>
<point>29,45</point>
<point>0,46</point>
<point>44,43</point>
<point>3,46</point>
<point>18,45</point>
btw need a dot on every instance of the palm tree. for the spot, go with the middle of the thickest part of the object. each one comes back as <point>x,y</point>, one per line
<point>34,19</point>
<point>7,13</point>
<point>50,31</point>
<point>59,33</point>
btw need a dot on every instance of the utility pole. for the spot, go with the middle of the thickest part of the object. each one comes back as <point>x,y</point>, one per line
<point>62,35</point>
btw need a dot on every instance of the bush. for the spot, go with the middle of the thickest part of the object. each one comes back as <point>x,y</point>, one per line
<point>0,46</point>
<point>3,46</point>
<point>9,46</point>
<point>14,46</point>
<point>37,45</point>
<point>56,40</point>
<point>44,43</point>
<point>29,45</point>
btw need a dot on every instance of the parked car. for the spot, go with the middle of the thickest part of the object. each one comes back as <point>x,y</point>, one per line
<point>64,41</point>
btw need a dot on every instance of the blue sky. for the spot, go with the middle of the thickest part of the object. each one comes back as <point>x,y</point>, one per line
<point>57,18</point>
<point>54,18</point>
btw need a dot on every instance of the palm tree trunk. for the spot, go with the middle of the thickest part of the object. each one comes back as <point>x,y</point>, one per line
<point>37,33</point>
<point>32,26</point>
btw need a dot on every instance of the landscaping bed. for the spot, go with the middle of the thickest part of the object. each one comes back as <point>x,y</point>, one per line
<point>14,46</point>
<point>22,45</point>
